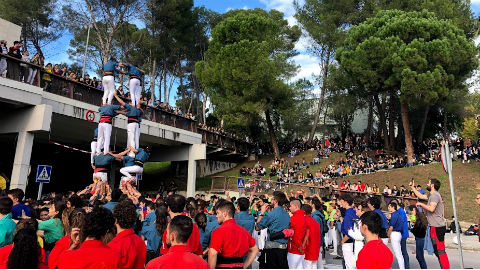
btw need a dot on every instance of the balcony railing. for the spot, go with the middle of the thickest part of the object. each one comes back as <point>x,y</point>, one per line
<point>58,85</point>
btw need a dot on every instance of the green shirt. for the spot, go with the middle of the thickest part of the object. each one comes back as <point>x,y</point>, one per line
<point>330,218</point>
<point>52,228</point>
<point>7,227</point>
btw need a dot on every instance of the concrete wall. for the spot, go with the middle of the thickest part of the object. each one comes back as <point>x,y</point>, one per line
<point>9,31</point>
<point>209,167</point>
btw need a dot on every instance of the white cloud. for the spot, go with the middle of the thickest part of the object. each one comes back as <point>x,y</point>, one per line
<point>228,9</point>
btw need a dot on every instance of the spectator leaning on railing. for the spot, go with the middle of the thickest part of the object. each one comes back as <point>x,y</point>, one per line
<point>3,60</point>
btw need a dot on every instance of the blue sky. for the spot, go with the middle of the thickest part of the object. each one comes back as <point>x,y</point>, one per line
<point>55,52</point>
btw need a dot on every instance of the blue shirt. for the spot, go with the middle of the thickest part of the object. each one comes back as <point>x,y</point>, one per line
<point>17,211</point>
<point>245,220</point>
<point>277,220</point>
<point>348,221</point>
<point>142,155</point>
<point>109,110</point>
<point>399,222</point>
<point>103,160</point>
<point>110,205</point>
<point>132,111</point>
<point>384,218</point>
<point>95,133</point>
<point>422,191</point>
<point>317,216</point>
<point>211,226</point>
<point>110,66</point>
<point>132,70</point>
<point>150,232</point>
<point>7,227</point>
<point>128,161</point>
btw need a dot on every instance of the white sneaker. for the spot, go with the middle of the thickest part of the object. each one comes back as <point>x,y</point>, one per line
<point>334,254</point>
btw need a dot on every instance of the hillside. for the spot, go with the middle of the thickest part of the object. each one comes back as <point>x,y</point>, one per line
<point>466,180</point>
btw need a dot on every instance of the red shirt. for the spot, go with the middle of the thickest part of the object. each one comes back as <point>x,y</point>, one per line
<point>299,227</point>
<point>131,248</point>
<point>375,255</point>
<point>5,252</point>
<point>178,257</point>
<point>63,244</point>
<point>361,187</point>
<point>92,254</point>
<point>231,240</point>
<point>312,249</point>
<point>193,242</point>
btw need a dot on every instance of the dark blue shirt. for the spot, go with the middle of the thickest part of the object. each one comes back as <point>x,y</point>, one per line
<point>109,110</point>
<point>132,70</point>
<point>132,111</point>
<point>128,161</point>
<point>277,220</point>
<point>398,220</point>
<point>110,205</point>
<point>17,211</point>
<point>317,216</point>
<point>384,218</point>
<point>211,226</point>
<point>142,155</point>
<point>348,221</point>
<point>245,220</point>
<point>103,160</point>
<point>110,66</point>
<point>95,133</point>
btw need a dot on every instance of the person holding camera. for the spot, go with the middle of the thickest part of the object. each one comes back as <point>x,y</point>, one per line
<point>274,253</point>
<point>434,210</point>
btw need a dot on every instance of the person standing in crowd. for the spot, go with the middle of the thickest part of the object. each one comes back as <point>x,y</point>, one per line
<point>230,242</point>
<point>298,224</point>
<point>313,256</point>
<point>110,69</point>
<point>419,230</point>
<point>319,217</point>
<point>179,255</point>
<point>434,210</point>
<point>176,205</point>
<point>52,229</point>
<point>395,231</point>
<point>346,201</point>
<point>374,204</point>
<point>374,254</point>
<point>152,231</point>
<point>107,113</point>
<point>135,75</point>
<point>3,60</point>
<point>92,253</point>
<point>130,246</point>
<point>212,224</point>
<point>25,251</point>
<point>19,209</point>
<point>14,67</point>
<point>274,254</point>
<point>242,217</point>
<point>7,225</point>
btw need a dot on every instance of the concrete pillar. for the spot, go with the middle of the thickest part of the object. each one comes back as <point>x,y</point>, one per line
<point>191,172</point>
<point>21,163</point>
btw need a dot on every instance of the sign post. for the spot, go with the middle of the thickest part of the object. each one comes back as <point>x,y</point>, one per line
<point>240,185</point>
<point>447,165</point>
<point>44,172</point>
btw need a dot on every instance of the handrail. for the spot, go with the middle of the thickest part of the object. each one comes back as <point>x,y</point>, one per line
<point>59,85</point>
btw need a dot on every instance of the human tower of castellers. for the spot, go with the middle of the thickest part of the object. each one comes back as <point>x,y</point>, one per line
<point>133,157</point>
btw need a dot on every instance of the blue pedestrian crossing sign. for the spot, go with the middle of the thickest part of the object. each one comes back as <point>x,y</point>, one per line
<point>240,183</point>
<point>44,172</point>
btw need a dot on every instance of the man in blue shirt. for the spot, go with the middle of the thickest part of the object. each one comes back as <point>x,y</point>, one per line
<point>102,166</point>
<point>19,209</point>
<point>7,225</point>
<point>274,254</point>
<point>135,74</point>
<point>212,224</point>
<point>346,201</point>
<point>110,69</point>
<point>105,127</point>
<point>242,217</point>
<point>127,162</point>
<point>398,232</point>
<point>133,127</point>
<point>374,204</point>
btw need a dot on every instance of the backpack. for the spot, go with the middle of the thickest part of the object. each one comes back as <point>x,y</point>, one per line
<point>324,224</point>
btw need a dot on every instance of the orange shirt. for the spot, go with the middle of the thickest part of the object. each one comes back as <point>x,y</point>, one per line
<point>132,249</point>
<point>178,257</point>
<point>92,254</point>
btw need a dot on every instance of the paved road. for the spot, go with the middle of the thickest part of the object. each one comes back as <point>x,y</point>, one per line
<point>471,260</point>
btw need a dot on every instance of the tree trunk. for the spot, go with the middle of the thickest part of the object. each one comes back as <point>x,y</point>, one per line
<point>391,121</point>
<point>204,108</point>
<point>383,121</point>
<point>408,135</point>
<point>165,96</point>
<point>271,132</point>
<point>424,122</point>
<point>368,133</point>
<point>322,97</point>
<point>152,80</point>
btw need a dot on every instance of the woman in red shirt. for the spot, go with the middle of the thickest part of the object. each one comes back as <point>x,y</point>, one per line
<point>25,252</point>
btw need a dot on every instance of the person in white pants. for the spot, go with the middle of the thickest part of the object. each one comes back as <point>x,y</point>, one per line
<point>395,234</point>
<point>133,127</point>
<point>110,69</point>
<point>346,201</point>
<point>105,127</point>
<point>93,148</point>
<point>135,74</point>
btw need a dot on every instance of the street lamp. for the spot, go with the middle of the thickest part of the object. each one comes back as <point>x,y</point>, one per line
<point>86,46</point>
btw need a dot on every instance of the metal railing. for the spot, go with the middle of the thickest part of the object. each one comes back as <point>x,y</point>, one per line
<point>62,86</point>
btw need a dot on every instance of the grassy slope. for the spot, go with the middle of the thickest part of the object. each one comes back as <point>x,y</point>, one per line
<point>466,179</point>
